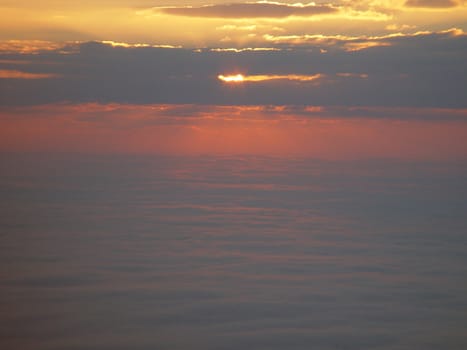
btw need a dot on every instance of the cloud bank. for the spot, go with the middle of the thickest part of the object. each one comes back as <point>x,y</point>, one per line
<point>424,69</point>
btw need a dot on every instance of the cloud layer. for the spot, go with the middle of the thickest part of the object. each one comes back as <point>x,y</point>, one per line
<point>228,253</point>
<point>424,69</point>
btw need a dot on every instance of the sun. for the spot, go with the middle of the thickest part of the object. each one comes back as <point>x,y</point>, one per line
<point>237,78</point>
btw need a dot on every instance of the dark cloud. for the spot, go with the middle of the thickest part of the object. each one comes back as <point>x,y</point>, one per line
<point>432,3</point>
<point>250,10</point>
<point>427,70</point>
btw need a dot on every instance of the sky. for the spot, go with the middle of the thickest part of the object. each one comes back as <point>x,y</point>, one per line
<point>185,174</point>
<point>333,79</point>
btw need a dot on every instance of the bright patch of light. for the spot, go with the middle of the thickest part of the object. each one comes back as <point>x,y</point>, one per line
<point>237,78</point>
<point>137,45</point>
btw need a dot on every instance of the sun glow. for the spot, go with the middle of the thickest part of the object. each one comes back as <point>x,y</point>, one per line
<point>302,131</point>
<point>238,78</point>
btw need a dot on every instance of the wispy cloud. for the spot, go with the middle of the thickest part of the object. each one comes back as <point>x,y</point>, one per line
<point>244,49</point>
<point>16,74</point>
<point>260,9</point>
<point>436,4</point>
<point>138,45</point>
<point>357,46</point>
<point>35,46</point>
<point>355,43</point>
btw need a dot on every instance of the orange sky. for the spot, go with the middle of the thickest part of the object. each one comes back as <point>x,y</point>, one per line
<point>94,128</point>
<point>55,55</point>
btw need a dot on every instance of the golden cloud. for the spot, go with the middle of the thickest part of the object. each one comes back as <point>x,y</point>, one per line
<point>16,74</point>
<point>30,46</point>
<point>137,45</point>
<point>353,43</point>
